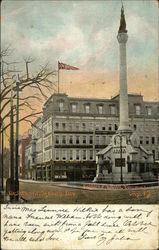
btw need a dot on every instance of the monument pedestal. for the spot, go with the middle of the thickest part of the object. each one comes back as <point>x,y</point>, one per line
<point>128,160</point>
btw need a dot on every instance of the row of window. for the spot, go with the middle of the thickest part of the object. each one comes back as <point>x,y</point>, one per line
<point>74,155</point>
<point>100,108</point>
<point>74,108</point>
<point>138,110</point>
<point>149,140</point>
<point>145,127</point>
<point>99,140</point>
<point>71,155</point>
<point>84,126</point>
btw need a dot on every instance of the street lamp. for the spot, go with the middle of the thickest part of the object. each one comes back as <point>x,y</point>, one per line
<point>121,160</point>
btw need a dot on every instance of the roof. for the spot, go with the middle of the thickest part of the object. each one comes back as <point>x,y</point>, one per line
<point>105,150</point>
<point>145,151</point>
<point>131,150</point>
<point>129,94</point>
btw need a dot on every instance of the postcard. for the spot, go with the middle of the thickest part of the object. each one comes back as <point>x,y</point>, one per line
<point>79,124</point>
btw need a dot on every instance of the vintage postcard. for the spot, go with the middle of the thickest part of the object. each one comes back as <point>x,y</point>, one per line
<point>79,124</point>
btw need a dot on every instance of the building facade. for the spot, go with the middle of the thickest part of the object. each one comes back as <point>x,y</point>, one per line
<point>23,143</point>
<point>71,131</point>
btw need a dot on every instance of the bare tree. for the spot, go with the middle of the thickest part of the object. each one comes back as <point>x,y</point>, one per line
<point>39,85</point>
<point>34,87</point>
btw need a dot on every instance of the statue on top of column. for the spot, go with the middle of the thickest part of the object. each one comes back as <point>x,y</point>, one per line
<point>122,28</point>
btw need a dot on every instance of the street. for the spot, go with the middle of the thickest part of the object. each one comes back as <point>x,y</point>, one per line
<point>60,193</point>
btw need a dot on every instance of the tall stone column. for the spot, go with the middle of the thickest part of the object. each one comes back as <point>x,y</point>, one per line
<point>122,39</point>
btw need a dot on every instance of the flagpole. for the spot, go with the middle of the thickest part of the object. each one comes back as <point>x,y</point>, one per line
<point>58,78</point>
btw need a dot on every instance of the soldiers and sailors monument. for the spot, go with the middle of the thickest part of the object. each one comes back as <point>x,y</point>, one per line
<point>125,158</point>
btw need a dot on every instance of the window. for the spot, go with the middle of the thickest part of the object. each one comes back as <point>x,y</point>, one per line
<point>84,139</point>
<point>147,140</point>
<point>57,125</point>
<point>61,106</point>
<point>153,140</point>
<point>103,127</point>
<point>33,159</point>
<point>110,127</point>
<point>87,109</point>
<point>57,139</point>
<point>83,126</point>
<point>77,139</point>
<point>71,139</point>
<point>64,154</point>
<point>91,155</point>
<point>149,111</point>
<point>134,126</point>
<point>91,139</point>
<point>97,140</point>
<point>138,109</point>
<point>71,154</point>
<point>77,126</point>
<point>74,108</point>
<point>57,155</point>
<point>100,109</point>
<point>97,126</point>
<point>84,154</point>
<point>77,154</point>
<point>141,139</point>
<point>63,139</point>
<point>63,126</point>
<point>112,110</point>
<point>91,126</point>
<point>116,127</point>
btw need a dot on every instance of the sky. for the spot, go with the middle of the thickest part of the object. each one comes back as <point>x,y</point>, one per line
<point>84,34</point>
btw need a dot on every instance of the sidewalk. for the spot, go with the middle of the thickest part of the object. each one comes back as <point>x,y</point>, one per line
<point>97,186</point>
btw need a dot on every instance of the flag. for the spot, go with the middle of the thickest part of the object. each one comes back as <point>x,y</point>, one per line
<point>66,67</point>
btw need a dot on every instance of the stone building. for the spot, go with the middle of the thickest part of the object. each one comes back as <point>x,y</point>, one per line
<point>71,131</point>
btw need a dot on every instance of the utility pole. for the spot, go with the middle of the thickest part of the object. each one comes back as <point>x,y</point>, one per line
<point>2,165</point>
<point>17,142</point>
<point>1,122</point>
<point>11,148</point>
<point>2,159</point>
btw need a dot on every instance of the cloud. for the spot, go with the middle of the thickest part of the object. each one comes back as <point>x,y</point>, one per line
<point>81,33</point>
<point>139,28</point>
